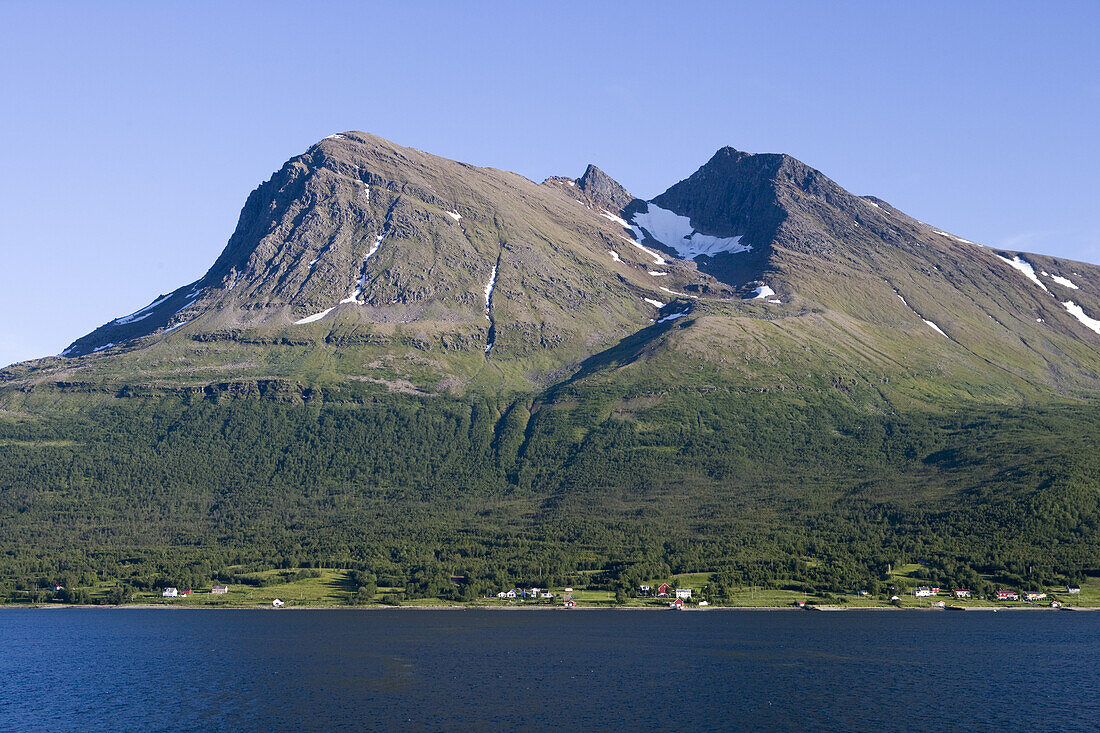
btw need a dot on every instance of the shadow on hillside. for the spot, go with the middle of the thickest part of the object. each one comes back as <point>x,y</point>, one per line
<point>624,352</point>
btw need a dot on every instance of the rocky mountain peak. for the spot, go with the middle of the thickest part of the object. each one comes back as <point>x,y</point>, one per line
<point>603,190</point>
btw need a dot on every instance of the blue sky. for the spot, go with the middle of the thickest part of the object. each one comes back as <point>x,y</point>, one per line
<point>132,132</point>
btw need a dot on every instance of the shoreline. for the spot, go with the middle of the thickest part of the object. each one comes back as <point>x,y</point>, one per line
<point>824,609</point>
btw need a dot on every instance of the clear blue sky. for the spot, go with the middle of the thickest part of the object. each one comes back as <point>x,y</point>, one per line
<point>132,132</point>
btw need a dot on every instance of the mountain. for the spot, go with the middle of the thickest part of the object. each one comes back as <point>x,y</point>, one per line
<point>408,364</point>
<point>359,240</point>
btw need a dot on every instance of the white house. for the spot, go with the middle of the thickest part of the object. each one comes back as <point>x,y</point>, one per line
<point>169,592</point>
<point>1075,589</point>
<point>962,593</point>
<point>546,594</point>
<point>683,593</point>
<point>924,591</point>
<point>277,603</point>
<point>220,589</point>
<point>1034,596</point>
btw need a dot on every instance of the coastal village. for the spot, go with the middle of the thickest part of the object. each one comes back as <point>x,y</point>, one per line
<point>695,594</point>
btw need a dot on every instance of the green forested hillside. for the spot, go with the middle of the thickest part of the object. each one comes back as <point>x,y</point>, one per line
<point>804,490</point>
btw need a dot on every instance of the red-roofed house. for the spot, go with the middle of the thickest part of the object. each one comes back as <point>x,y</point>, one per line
<point>662,590</point>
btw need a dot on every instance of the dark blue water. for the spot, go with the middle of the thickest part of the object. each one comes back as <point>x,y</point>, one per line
<point>99,669</point>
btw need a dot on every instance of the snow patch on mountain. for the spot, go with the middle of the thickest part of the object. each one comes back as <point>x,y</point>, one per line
<point>354,297</point>
<point>673,316</point>
<point>957,239</point>
<point>1023,266</point>
<point>927,322</point>
<point>178,325</point>
<point>657,259</point>
<point>315,316</point>
<point>682,295</point>
<point>489,291</point>
<point>761,292</point>
<point>675,232</point>
<point>617,219</point>
<point>489,288</point>
<point>1078,312</point>
<point>654,303</point>
<point>935,328</point>
<point>1064,281</point>
<point>614,255</point>
<point>454,215</point>
<point>143,313</point>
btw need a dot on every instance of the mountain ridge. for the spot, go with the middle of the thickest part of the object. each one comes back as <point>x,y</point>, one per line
<point>358,233</point>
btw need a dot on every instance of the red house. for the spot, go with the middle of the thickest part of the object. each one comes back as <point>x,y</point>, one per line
<point>662,590</point>
<point>678,604</point>
<point>1007,595</point>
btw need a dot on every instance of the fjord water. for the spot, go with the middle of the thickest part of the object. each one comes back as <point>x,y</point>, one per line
<point>95,669</point>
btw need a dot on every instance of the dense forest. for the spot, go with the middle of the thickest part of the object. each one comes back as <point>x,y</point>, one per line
<point>789,490</point>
